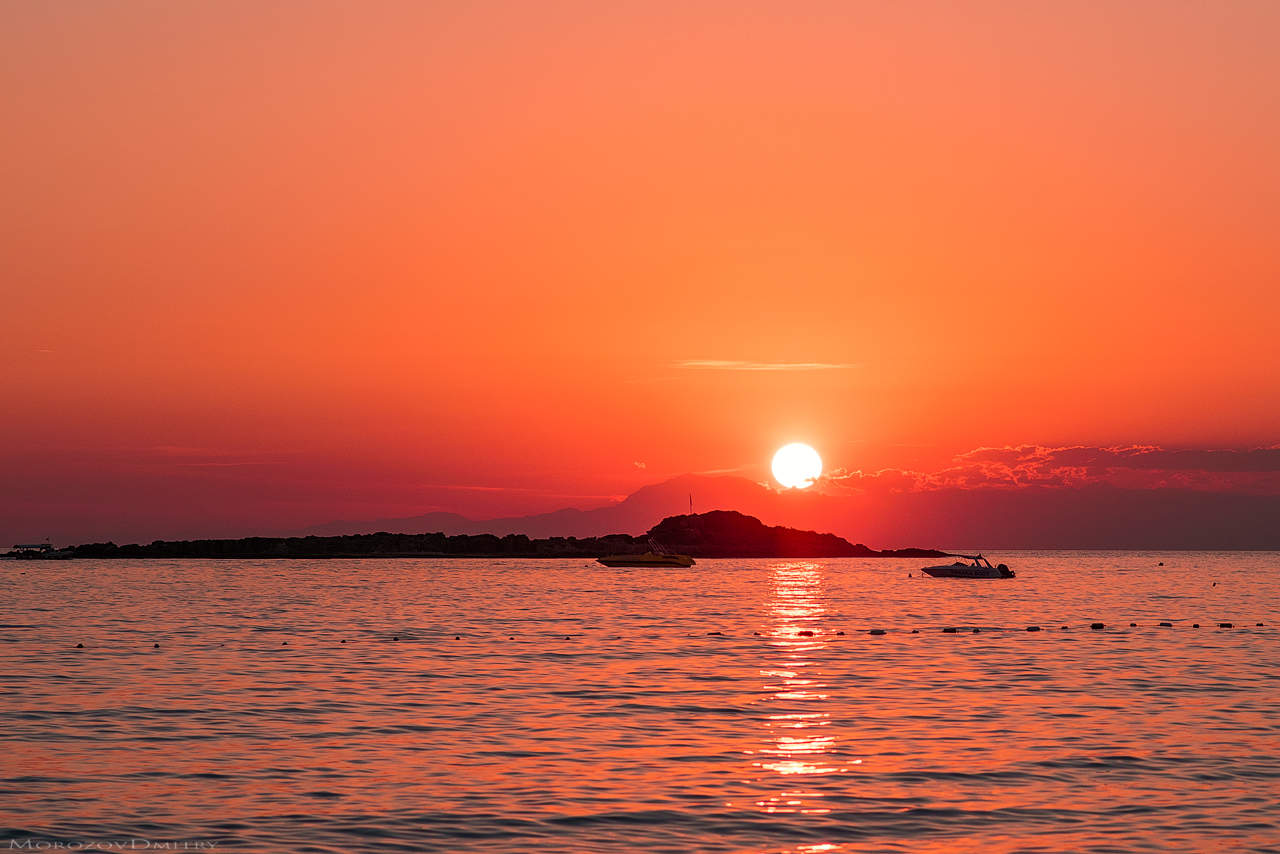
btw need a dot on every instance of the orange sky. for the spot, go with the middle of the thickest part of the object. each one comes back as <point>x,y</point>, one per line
<point>302,261</point>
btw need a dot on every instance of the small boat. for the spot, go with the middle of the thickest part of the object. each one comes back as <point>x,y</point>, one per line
<point>38,551</point>
<point>646,559</point>
<point>979,568</point>
<point>656,556</point>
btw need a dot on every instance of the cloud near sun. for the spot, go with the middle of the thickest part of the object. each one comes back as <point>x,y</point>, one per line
<point>1254,470</point>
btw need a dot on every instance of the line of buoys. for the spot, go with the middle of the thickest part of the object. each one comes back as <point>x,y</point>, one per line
<point>808,633</point>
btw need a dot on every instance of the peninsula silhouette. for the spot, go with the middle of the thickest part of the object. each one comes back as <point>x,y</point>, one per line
<point>718,533</point>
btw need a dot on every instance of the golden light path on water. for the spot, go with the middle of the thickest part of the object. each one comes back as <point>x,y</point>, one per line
<point>798,722</point>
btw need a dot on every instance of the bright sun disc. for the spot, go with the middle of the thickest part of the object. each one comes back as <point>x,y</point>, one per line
<point>796,465</point>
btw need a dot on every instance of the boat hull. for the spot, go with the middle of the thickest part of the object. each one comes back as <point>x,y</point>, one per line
<point>652,560</point>
<point>964,571</point>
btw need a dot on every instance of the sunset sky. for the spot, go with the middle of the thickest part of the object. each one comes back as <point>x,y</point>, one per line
<point>266,265</point>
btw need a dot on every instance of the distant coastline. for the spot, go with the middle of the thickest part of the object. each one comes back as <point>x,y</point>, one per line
<point>716,534</point>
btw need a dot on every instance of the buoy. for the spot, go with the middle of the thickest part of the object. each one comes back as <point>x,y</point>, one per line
<point>344,640</point>
<point>1066,628</point>
<point>155,646</point>
<point>876,632</point>
<point>513,637</point>
<point>1195,625</point>
<point>908,575</point>
<point>709,634</point>
<point>1033,628</point>
<point>1096,626</point>
<point>915,631</point>
<point>805,634</point>
<point>975,631</point>
<point>1161,563</point>
<point>840,633</point>
<point>284,643</point>
<point>757,634</point>
<point>949,630</point>
<point>395,638</point>
<point>566,637</point>
<point>79,646</point>
<point>1133,625</point>
<point>1167,625</point>
<point>1225,626</point>
<point>1257,624</point>
<point>457,637</point>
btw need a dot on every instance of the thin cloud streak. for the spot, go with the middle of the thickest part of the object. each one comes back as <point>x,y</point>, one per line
<point>739,365</point>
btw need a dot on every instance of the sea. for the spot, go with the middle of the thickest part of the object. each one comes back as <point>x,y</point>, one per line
<point>561,706</point>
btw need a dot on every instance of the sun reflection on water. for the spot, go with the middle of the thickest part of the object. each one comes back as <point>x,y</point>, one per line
<point>799,743</point>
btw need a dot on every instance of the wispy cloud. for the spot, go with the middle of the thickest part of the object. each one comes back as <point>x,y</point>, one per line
<point>739,365</point>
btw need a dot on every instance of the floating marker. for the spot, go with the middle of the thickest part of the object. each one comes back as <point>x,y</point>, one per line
<point>1096,626</point>
<point>1195,625</point>
<point>286,643</point>
<point>395,638</point>
<point>757,634</point>
<point>155,646</point>
<point>1225,626</point>
<point>344,640</point>
<point>915,631</point>
<point>840,633</point>
<point>1066,628</point>
<point>455,637</point>
<point>975,631</point>
<point>79,646</point>
<point>1257,624</point>
<point>875,632</point>
<point>1033,628</point>
<point>1133,625</point>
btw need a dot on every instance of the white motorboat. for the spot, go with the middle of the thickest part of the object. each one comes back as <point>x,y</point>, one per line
<point>978,567</point>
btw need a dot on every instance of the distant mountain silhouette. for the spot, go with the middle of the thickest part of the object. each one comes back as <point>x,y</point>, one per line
<point>1096,516</point>
<point>633,515</point>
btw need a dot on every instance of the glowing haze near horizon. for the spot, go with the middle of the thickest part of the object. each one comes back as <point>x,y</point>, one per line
<point>271,265</point>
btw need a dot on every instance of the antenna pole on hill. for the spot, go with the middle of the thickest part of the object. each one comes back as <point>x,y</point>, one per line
<point>690,503</point>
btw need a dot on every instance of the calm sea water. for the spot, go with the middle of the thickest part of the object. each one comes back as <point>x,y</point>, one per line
<point>562,706</point>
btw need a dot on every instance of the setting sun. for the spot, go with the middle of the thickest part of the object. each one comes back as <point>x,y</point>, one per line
<point>796,465</point>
